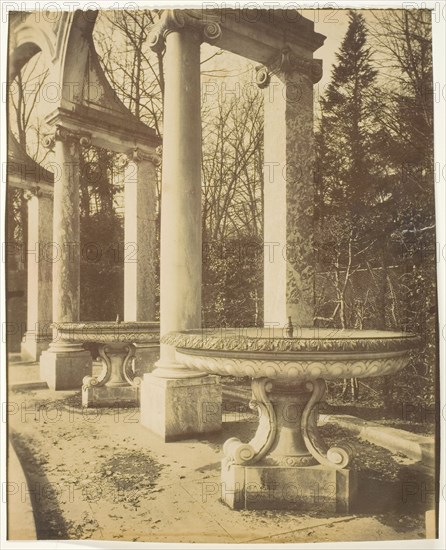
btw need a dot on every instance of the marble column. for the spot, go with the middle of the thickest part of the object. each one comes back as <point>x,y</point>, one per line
<point>140,248</point>
<point>63,366</point>
<point>140,237</point>
<point>173,397</point>
<point>39,275</point>
<point>289,188</point>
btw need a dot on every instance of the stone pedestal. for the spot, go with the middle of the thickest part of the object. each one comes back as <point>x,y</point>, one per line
<point>114,397</point>
<point>33,345</point>
<point>287,465</point>
<point>64,365</point>
<point>307,488</point>
<point>181,408</point>
<point>117,386</point>
<point>39,308</point>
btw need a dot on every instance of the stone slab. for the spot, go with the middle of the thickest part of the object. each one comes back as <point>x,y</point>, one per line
<point>109,396</point>
<point>181,408</point>
<point>312,488</point>
<point>65,371</point>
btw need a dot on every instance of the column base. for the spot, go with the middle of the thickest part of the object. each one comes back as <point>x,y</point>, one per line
<point>181,408</point>
<point>312,488</point>
<point>65,370</point>
<point>31,347</point>
<point>109,396</point>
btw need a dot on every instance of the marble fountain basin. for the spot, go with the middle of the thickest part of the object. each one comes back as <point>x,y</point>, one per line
<point>288,455</point>
<point>106,332</point>
<point>116,343</point>
<point>310,354</point>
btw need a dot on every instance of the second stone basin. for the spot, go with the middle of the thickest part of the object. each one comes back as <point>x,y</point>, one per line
<point>310,354</point>
<point>105,332</point>
<point>116,344</point>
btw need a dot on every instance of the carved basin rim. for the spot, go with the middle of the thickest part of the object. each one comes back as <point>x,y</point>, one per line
<point>108,331</point>
<point>307,339</point>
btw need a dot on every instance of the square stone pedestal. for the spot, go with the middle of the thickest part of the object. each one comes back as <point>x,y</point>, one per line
<point>309,488</point>
<point>181,408</point>
<point>109,396</point>
<point>65,371</point>
<point>31,348</point>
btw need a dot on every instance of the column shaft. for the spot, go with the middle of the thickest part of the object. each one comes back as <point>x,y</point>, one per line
<point>288,199</point>
<point>39,276</point>
<point>66,235</point>
<point>140,241</point>
<point>180,300</point>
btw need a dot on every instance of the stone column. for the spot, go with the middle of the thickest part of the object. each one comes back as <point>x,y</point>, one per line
<point>140,249</point>
<point>140,237</point>
<point>39,273</point>
<point>289,188</point>
<point>64,366</point>
<point>173,397</point>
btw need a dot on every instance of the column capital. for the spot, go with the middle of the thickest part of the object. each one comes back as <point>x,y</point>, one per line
<point>288,62</point>
<point>137,155</point>
<point>180,19</point>
<point>61,133</point>
<point>37,191</point>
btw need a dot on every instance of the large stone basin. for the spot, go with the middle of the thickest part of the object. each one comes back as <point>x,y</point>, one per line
<point>310,354</point>
<point>287,464</point>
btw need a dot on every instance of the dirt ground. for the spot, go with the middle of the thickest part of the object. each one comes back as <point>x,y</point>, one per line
<point>98,474</point>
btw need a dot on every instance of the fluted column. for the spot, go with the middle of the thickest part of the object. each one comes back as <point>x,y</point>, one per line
<point>140,236</point>
<point>289,188</point>
<point>62,366</point>
<point>39,274</point>
<point>172,394</point>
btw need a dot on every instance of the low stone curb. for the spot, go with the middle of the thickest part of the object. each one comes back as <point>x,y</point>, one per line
<point>31,385</point>
<point>420,448</point>
<point>21,521</point>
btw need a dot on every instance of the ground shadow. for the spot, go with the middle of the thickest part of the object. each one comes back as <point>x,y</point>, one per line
<point>50,523</point>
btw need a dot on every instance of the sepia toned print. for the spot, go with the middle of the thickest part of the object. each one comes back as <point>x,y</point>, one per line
<point>221,268</point>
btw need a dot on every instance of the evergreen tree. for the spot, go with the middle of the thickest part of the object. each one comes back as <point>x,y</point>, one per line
<point>348,122</point>
<point>349,184</point>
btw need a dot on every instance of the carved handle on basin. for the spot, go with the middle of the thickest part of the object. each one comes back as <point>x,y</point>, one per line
<point>336,457</point>
<point>244,454</point>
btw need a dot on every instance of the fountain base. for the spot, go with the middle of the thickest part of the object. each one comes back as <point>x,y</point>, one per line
<point>109,396</point>
<point>287,465</point>
<point>117,385</point>
<point>310,488</point>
